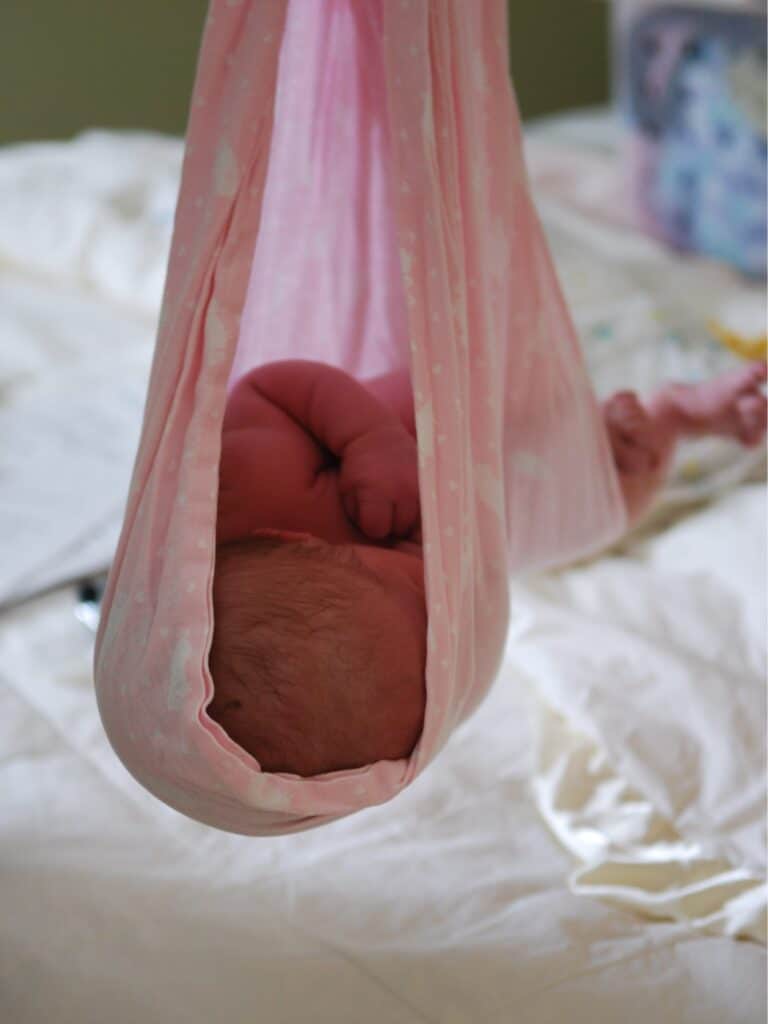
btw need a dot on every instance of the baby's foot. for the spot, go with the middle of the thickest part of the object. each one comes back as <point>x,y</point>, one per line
<point>729,406</point>
<point>643,437</point>
<point>636,442</point>
<point>642,447</point>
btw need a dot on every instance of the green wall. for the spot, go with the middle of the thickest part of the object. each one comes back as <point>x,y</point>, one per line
<point>559,53</point>
<point>73,64</point>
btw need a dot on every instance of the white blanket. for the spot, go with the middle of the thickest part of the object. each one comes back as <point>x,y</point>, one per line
<point>651,745</point>
<point>84,235</point>
<point>448,904</point>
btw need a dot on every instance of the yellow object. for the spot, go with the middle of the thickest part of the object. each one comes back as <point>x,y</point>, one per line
<point>747,348</point>
<point>691,470</point>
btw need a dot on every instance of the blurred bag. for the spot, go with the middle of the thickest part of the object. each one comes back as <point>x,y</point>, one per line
<point>692,85</point>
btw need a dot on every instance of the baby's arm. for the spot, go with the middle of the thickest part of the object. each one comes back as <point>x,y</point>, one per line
<point>394,390</point>
<point>378,476</point>
<point>331,405</point>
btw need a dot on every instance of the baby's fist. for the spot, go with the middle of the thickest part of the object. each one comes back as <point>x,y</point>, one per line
<point>379,482</point>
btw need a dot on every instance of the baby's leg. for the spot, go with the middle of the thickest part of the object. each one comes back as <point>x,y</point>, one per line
<point>394,390</point>
<point>732,405</point>
<point>643,438</point>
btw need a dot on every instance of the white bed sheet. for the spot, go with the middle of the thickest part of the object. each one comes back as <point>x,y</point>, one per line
<point>84,235</point>
<point>455,903</point>
<point>450,904</point>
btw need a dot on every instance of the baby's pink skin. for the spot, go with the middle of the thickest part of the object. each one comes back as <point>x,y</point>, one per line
<point>314,455</point>
<point>643,437</point>
<point>307,448</point>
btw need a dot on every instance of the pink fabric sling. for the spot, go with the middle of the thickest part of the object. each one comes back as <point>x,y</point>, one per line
<point>354,192</point>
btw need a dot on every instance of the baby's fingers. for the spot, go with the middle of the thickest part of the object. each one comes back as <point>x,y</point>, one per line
<point>375,517</point>
<point>407,515</point>
<point>349,501</point>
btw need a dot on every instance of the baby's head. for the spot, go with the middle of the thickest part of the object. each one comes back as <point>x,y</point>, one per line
<point>317,665</point>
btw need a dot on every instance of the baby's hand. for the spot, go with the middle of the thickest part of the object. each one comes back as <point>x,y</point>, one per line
<point>379,482</point>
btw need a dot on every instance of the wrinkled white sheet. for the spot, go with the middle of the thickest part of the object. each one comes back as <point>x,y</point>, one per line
<point>640,674</point>
<point>70,411</point>
<point>84,237</point>
<point>95,213</point>
<point>450,904</point>
<point>651,740</point>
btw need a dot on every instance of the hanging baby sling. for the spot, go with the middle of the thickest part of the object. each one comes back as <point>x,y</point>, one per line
<point>353,192</point>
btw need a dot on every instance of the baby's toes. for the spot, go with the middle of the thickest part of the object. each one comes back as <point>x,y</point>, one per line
<point>759,374</point>
<point>630,457</point>
<point>750,378</point>
<point>752,411</point>
<point>627,416</point>
<point>626,412</point>
<point>624,405</point>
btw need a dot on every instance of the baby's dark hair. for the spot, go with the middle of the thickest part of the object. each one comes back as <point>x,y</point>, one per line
<point>299,659</point>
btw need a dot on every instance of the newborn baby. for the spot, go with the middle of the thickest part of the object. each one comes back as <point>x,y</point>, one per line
<point>320,622</point>
<point>319,645</point>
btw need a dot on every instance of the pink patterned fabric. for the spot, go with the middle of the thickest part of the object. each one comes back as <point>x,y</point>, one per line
<point>353,191</point>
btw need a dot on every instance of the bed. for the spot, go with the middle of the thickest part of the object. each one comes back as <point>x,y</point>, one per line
<point>588,847</point>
